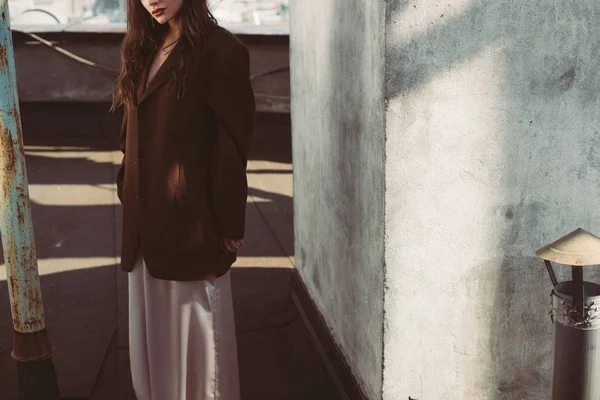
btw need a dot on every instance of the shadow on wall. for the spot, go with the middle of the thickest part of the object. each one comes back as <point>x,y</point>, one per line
<point>339,145</point>
<point>543,69</point>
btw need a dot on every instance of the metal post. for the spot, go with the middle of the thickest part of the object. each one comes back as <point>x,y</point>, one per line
<point>576,354</point>
<point>551,273</point>
<point>576,317</point>
<point>31,347</point>
<point>578,289</point>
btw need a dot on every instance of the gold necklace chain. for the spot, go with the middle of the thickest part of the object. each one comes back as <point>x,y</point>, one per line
<point>170,45</point>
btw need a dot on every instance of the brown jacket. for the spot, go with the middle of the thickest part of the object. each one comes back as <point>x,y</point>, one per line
<point>182,182</point>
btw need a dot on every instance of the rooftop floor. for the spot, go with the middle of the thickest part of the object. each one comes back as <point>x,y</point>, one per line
<point>77,224</point>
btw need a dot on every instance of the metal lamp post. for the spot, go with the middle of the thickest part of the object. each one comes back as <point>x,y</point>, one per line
<point>31,347</point>
<point>576,316</point>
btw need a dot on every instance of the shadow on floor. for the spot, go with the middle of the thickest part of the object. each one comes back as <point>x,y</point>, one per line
<point>77,234</point>
<point>276,356</point>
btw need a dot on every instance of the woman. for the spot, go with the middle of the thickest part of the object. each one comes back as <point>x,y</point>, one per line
<point>189,118</point>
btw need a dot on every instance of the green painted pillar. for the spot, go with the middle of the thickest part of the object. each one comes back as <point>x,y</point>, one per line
<point>31,347</point>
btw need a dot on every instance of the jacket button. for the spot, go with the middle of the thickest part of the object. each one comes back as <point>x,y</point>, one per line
<point>135,161</point>
<point>137,198</point>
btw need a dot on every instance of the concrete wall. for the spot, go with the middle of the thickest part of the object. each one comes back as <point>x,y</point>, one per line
<point>338,143</point>
<point>489,140</point>
<point>44,75</point>
<point>492,151</point>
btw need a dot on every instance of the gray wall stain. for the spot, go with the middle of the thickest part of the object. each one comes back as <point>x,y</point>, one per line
<point>565,82</point>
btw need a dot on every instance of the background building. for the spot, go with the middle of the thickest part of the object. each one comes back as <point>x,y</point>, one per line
<point>85,12</point>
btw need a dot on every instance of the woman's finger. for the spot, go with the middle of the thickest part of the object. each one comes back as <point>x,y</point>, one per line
<point>231,245</point>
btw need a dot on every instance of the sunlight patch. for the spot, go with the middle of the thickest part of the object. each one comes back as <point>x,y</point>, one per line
<point>49,266</point>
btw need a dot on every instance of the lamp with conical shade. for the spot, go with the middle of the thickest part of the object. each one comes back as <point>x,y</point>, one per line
<point>576,317</point>
<point>579,248</point>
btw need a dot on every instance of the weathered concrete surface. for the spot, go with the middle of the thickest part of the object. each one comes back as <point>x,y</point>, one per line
<point>338,150</point>
<point>491,128</point>
<point>492,132</point>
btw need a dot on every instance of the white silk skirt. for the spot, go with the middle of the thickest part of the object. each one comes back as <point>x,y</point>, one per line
<point>182,341</point>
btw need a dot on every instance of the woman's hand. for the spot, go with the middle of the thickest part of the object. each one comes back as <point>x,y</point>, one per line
<point>233,245</point>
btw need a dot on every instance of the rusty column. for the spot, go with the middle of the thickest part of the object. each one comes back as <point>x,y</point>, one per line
<point>31,347</point>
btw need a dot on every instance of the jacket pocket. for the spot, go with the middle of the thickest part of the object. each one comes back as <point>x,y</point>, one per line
<point>185,200</point>
<point>195,223</point>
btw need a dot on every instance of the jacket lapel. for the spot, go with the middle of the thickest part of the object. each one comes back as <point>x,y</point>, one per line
<point>141,85</point>
<point>162,76</point>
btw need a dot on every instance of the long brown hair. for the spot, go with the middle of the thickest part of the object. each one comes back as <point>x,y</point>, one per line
<point>143,38</point>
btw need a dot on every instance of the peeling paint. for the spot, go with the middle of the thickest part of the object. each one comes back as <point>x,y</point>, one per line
<point>7,153</point>
<point>20,215</point>
<point>3,57</point>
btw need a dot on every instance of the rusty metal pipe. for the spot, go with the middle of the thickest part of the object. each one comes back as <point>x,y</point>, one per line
<point>31,346</point>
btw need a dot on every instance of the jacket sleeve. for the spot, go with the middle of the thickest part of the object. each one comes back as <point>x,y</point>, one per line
<point>231,98</point>
<point>121,173</point>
